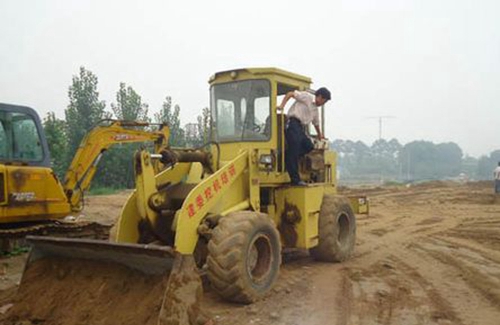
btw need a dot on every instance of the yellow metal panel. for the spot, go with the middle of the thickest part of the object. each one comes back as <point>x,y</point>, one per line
<point>145,186</point>
<point>128,224</point>
<point>331,164</point>
<point>253,180</point>
<point>32,193</point>
<point>297,215</point>
<point>360,204</point>
<point>174,174</point>
<point>268,73</point>
<point>34,212</point>
<point>3,186</point>
<point>195,173</point>
<point>224,185</point>
<point>127,230</point>
<point>274,179</point>
<point>271,211</point>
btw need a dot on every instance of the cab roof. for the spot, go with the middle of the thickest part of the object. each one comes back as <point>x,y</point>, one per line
<point>279,75</point>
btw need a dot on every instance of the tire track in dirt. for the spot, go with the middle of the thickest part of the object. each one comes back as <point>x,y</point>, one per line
<point>485,234</point>
<point>331,298</point>
<point>492,254</point>
<point>442,287</point>
<point>392,292</point>
<point>483,277</point>
<point>377,242</point>
<point>454,287</point>
<point>426,224</point>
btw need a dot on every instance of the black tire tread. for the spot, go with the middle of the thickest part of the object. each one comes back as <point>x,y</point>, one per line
<point>226,257</point>
<point>329,249</point>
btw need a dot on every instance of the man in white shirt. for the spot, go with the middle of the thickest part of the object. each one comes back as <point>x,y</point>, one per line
<point>496,176</point>
<point>301,113</point>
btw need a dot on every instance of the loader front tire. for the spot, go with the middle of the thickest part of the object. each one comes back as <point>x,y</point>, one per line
<point>337,230</point>
<point>244,256</point>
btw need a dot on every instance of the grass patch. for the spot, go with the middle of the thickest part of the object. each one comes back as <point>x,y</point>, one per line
<point>393,183</point>
<point>104,190</point>
<point>15,252</point>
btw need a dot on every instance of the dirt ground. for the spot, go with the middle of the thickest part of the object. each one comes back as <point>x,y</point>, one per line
<point>426,254</point>
<point>87,280</point>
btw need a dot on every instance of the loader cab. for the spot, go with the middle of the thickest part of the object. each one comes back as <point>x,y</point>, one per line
<point>243,111</point>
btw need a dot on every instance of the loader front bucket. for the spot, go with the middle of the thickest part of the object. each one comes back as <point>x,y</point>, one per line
<point>71,281</point>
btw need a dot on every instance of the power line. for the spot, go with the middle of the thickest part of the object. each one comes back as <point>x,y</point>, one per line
<point>380,118</point>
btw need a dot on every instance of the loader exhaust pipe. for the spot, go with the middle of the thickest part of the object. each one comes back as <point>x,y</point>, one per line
<point>107,283</point>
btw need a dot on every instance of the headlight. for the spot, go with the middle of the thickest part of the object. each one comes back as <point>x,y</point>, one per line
<point>266,159</point>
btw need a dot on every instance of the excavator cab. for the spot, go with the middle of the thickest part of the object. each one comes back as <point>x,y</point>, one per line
<point>29,190</point>
<point>22,139</point>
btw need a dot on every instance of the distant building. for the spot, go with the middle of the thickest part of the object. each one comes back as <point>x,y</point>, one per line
<point>192,133</point>
<point>191,130</point>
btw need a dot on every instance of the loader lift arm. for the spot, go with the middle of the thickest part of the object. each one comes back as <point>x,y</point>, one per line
<point>83,166</point>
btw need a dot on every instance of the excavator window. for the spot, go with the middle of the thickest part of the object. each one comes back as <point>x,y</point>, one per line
<point>19,138</point>
<point>241,109</point>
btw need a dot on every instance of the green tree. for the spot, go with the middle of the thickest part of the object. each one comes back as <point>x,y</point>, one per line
<point>204,121</point>
<point>385,160</point>
<point>422,160</point>
<point>484,167</point>
<point>198,134</point>
<point>448,161</point>
<point>354,159</point>
<point>486,164</point>
<point>55,132</point>
<point>417,159</point>
<point>469,166</point>
<point>128,106</point>
<point>170,115</point>
<point>85,110</point>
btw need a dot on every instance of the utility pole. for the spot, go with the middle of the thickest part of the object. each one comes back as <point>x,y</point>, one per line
<point>380,118</point>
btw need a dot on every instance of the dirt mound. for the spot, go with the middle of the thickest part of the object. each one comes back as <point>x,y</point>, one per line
<point>475,197</point>
<point>64,291</point>
<point>436,184</point>
<point>481,184</point>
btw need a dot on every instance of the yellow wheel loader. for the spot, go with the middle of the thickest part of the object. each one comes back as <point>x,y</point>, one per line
<point>32,199</point>
<point>226,208</point>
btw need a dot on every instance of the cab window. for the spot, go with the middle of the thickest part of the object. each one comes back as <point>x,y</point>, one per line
<point>241,110</point>
<point>19,138</point>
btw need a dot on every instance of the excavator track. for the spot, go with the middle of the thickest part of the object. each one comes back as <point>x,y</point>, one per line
<point>13,236</point>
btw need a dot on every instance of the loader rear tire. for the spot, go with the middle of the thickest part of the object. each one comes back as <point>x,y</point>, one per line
<point>244,256</point>
<point>337,230</point>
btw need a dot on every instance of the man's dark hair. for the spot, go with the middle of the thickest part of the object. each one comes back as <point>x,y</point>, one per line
<point>323,92</point>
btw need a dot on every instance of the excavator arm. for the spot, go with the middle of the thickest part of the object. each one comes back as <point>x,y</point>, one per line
<point>95,143</point>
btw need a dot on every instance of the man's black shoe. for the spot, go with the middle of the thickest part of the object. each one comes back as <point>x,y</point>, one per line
<point>299,183</point>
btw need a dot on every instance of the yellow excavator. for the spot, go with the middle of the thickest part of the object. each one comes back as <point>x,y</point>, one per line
<point>226,210</point>
<point>32,199</point>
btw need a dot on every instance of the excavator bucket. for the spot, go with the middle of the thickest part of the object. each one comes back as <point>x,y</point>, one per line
<point>71,281</point>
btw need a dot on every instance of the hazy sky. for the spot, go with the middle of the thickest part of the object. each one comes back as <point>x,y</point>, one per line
<point>434,64</point>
